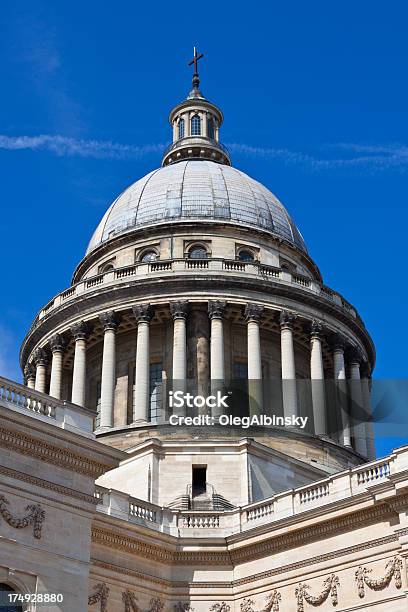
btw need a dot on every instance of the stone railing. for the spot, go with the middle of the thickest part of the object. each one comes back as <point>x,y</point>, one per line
<point>168,267</point>
<point>339,487</point>
<point>63,414</point>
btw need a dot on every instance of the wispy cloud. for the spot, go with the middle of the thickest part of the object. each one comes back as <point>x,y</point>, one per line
<point>339,155</point>
<point>66,146</point>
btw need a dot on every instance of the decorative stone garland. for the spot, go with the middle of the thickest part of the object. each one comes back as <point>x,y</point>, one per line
<point>129,599</point>
<point>156,605</point>
<point>247,605</point>
<point>392,569</point>
<point>183,606</point>
<point>35,517</point>
<point>101,595</point>
<point>329,588</point>
<point>220,607</point>
<point>273,602</point>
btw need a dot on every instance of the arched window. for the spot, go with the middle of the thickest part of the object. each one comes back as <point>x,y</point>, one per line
<point>181,128</point>
<point>148,256</point>
<point>245,255</point>
<point>210,128</point>
<point>197,252</point>
<point>195,125</point>
<point>6,604</point>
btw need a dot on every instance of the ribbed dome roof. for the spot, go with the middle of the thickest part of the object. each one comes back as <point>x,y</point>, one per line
<point>196,190</point>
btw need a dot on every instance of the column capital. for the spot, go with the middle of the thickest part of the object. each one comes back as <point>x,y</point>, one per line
<point>80,330</point>
<point>316,329</point>
<point>143,313</point>
<point>354,355</point>
<point>286,319</point>
<point>339,343</point>
<point>216,309</point>
<point>253,312</point>
<point>40,357</point>
<point>365,369</point>
<point>29,371</point>
<point>57,343</point>
<point>109,320</point>
<point>179,309</point>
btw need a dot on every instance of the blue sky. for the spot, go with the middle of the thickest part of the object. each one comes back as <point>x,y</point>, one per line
<point>315,98</point>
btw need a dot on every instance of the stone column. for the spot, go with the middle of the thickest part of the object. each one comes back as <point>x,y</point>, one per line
<point>29,375</point>
<point>366,390</point>
<point>109,321</point>
<point>179,311</point>
<point>143,314</point>
<point>317,379</point>
<point>339,368</point>
<point>80,332</point>
<point>289,391</point>
<point>198,351</point>
<point>216,310</point>
<point>253,314</point>
<point>57,347</point>
<point>41,361</point>
<point>357,406</point>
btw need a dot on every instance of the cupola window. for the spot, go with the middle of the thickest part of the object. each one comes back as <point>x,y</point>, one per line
<point>148,256</point>
<point>245,255</point>
<point>197,252</point>
<point>181,128</point>
<point>195,125</point>
<point>210,128</point>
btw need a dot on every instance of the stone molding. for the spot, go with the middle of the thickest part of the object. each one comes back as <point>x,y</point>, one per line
<point>228,557</point>
<point>80,330</point>
<point>35,516</point>
<point>57,343</point>
<point>109,320</point>
<point>253,312</point>
<point>143,313</point>
<point>216,309</point>
<point>179,309</point>
<point>46,484</point>
<point>28,445</point>
<point>286,319</point>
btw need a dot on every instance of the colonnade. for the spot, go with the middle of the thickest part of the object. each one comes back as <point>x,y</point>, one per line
<point>143,313</point>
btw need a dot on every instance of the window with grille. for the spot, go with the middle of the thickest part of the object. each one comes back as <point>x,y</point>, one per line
<point>5,604</point>
<point>195,125</point>
<point>240,370</point>
<point>210,128</point>
<point>181,128</point>
<point>155,389</point>
<point>98,405</point>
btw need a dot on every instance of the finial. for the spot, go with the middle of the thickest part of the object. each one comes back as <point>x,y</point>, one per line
<point>196,57</point>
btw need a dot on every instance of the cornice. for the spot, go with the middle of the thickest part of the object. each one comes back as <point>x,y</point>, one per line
<point>91,303</point>
<point>46,484</point>
<point>50,453</point>
<point>229,551</point>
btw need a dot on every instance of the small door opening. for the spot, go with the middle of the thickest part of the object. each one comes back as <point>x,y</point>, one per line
<point>199,480</point>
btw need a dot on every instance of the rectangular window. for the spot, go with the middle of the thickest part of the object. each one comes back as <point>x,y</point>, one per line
<point>199,480</point>
<point>156,389</point>
<point>240,370</point>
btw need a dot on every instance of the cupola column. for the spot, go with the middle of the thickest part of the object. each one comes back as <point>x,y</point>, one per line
<point>179,311</point>
<point>109,321</point>
<point>216,311</point>
<point>289,391</point>
<point>41,361</point>
<point>253,314</point>
<point>80,332</point>
<point>339,367</point>
<point>143,314</point>
<point>317,379</point>
<point>358,414</point>
<point>29,375</point>
<point>57,347</point>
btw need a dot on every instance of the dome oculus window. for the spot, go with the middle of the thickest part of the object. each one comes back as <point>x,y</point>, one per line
<point>181,128</point>
<point>246,255</point>
<point>195,125</point>
<point>148,256</point>
<point>197,252</point>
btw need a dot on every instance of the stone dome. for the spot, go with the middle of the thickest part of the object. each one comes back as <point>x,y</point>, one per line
<point>201,190</point>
